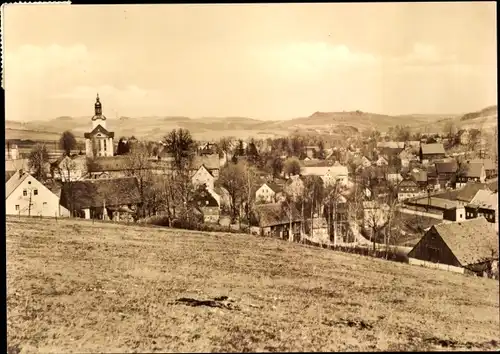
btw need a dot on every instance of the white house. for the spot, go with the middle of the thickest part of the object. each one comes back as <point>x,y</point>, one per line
<point>381,161</point>
<point>365,162</point>
<point>329,174</point>
<point>269,192</point>
<point>25,195</point>
<point>203,177</point>
<point>69,168</point>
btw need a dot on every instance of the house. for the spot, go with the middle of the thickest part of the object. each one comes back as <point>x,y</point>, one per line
<point>484,203</point>
<point>420,178</point>
<point>381,161</point>
<point>473,172</point>
<point>210,161</point>
<point>25,195</point>
<point>464,247</point>
<point>456,214</point>
<point>365,162</point>
<point>207,205</point>
<point>408,189</point>
<point>329,173</point>
<point>490,167</point>
<point>67,168</point>
<point>108,167</point>
<point>430,152</point>
<point>433,204</point>
<point>446,172</point>
<point>273,219</point>
<point>269,192</point>
<point>311,151</point>
<point>108,199</point>
<point>294,186</point>
<point>203,177</point>
<point>393,176</point>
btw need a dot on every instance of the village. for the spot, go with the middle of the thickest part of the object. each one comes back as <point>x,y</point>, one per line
<point>432,196</point>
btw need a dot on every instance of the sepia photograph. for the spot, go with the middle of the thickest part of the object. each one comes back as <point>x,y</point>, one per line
<point>267,177</point>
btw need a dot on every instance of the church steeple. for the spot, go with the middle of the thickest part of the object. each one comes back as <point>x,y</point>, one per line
<point>98,106</point>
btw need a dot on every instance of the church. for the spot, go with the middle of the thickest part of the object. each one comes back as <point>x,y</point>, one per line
<point>99,142</point>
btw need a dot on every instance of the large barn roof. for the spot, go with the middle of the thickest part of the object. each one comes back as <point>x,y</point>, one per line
<point>471,241</point>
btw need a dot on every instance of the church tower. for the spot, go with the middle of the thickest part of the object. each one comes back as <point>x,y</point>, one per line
<point>99,142</point>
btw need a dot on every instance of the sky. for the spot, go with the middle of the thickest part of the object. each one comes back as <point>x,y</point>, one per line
<point>265,61</point>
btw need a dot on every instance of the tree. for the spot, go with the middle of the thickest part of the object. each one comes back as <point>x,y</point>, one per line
<point>321,150</point>
<point>252,153</point>
<point>224,146</point>
<point>181,145</point>
<point>37,159</point>
<point>138,166</point>
<point>240,150</point>
<point>313,195</point>
<point>233,178</point>
<point>249,190</point>
<point>67,142</point>
<point>292,166</point>
<point>276,165</point>
<point>450,130</point>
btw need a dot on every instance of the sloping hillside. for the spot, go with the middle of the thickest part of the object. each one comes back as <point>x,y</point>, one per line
<point>78,286</point>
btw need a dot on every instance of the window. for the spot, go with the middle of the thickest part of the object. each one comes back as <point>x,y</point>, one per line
<point>35,192</point>
<point>460,216</point>
<point>44,203</point>
<point>17,207</point>
<point>25,193</point>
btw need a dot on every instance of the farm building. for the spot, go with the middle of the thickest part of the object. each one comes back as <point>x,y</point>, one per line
<point>408,189</point>
<point>474,172</point>
<point>484,203</point>
<point>25,195</point>
<point>464,247</point>
<point>273,219</point>
<point>430,152</point>
<point>269,192</point>
<point>207,205</point>
<point>107,199</point>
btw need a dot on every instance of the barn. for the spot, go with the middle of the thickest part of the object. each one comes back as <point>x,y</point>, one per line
<point>469,247</point>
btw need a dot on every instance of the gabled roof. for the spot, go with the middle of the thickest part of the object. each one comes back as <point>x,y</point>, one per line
<point>93,193</point>
<point>14,182</point>
<point>485,199</point>
<point>474,169</point>
<point>436,148</point>
<point>110,163</point>
<point>273,214</point>
<point>407,183</point>
<point>203,198</point>
<point>488,164</point>
<point>211,162</point>
<point>99,129</point>
<point>471,241</point>
<point>204,168</point>
<point>276,188</point>
<point>446,167</point>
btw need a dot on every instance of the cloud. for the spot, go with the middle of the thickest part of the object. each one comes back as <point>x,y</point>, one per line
<point>424,54</point>
<point>312,58</point>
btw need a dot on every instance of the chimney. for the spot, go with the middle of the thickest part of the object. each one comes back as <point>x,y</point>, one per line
<point>21,172</point>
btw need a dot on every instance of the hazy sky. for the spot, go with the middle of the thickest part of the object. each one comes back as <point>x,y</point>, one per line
<point>263,61</point>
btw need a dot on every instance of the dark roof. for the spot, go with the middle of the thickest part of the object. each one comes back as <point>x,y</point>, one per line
<point>446,167</point>
<point>99,129</point>
<point>110,163</point>
<point>276,188</point>
<point>203,198</point>
<point>488,164</point>
<point>407,183</point>
<point>419,176</point>
<point>430,149</point>
<point>8,175</point>
<point>471,241</point>
<point>211,162</point>
<point>389,151</point>
<point>474,169</point>
<point>93,193</point>
<point>274,214</point>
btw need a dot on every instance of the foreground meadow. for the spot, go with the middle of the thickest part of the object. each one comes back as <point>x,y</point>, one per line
<point>78,286</point>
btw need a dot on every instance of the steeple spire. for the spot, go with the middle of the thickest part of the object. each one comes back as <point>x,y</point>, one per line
<point>98,106</point>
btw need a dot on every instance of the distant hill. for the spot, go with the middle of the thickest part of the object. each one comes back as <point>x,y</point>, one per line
<point>339,124</point>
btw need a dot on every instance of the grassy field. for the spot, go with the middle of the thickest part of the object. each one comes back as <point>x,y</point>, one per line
<point>76,286</point>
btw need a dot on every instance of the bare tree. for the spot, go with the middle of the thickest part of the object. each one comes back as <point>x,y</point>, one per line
<point>37,160</point>
<point>181,145</point>
<point>233,178</point>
